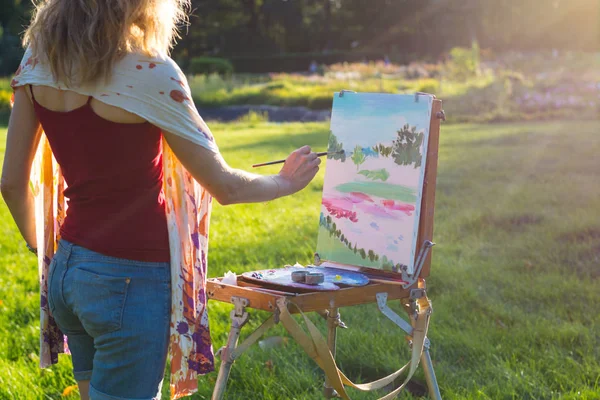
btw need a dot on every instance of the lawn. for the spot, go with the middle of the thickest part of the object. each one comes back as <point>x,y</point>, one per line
<point>514,280</point>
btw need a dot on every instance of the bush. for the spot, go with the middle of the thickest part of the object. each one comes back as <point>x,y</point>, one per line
<point>5,100</point>
<point>210,65</point>
<point>295,62</point>
<point>431,86</point>
<point>254,117</point>
<point>11,53</point>
<point>464,62</point>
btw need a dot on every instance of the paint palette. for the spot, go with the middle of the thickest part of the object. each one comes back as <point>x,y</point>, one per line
<point>282,277</point>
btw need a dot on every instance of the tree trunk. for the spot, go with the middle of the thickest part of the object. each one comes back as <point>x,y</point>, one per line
<point>327,25</point>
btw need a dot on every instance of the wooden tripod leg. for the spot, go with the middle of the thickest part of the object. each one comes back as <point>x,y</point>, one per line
<point>432,385</point>
<point>239,317</point>
<point>333,321</point>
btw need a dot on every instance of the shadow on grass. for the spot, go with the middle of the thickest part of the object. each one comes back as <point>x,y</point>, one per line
<point>370,371</point>
<point>522,189</point>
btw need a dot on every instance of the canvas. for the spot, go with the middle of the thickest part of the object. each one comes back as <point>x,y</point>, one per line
<point>372,190</point>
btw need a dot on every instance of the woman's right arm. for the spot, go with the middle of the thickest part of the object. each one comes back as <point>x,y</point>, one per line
<point>231,186</point>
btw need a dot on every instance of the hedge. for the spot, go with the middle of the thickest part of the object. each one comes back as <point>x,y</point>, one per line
<point>5,96</point>
<point>295,62</point>
<point>11,54</point>
<point>210,65</point>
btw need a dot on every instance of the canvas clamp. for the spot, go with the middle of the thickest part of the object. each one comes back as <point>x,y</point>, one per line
<point>317,259</point>
<point>411,278</point>
<point>345,91</point>
<point>417,94</point>
<point>427,245</point>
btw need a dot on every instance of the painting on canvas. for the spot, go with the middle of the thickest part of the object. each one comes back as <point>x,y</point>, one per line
<point>372,190</point>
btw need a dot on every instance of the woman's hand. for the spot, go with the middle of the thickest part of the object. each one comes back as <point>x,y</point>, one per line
<point>299,169</point>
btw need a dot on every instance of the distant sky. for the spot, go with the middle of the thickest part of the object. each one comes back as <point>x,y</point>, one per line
<point>370,118</point>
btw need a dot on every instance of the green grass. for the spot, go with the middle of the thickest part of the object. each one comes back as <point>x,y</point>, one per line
<point>285,90</point>
<point>313,91</point>
<point>514,281</point>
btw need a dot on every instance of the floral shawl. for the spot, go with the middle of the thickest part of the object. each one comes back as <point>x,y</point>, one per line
<point>155,89</point>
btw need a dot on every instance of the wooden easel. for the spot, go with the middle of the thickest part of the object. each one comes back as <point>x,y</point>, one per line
<point>249,295</point>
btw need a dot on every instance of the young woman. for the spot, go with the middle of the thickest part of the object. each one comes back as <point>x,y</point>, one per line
<point>109,284</point>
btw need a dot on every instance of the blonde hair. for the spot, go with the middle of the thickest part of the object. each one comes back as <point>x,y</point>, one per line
<point>82,39</point>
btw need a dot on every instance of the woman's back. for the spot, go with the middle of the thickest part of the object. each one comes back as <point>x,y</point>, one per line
<point>112,163</point>
<point>67,100</point>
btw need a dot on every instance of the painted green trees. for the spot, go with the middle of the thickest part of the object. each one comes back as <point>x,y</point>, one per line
<point>358,157</point>
<point>336,148</point>
<point>405,149</point>
<point>380,174</point>
<point>407,146</point>
<point>383,150</point>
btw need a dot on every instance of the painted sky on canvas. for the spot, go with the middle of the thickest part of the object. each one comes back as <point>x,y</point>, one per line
<point>368,118</point>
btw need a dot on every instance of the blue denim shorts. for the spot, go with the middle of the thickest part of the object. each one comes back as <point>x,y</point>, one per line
<point>115,314</point>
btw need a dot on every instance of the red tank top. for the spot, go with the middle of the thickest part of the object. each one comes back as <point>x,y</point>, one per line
<point>114,174</point>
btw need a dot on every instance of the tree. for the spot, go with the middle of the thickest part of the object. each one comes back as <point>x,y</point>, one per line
<point>358,157</point>
<point>14,14</point>
<point>363,254</point>
<point>335,149</point>
<point>383,150</point>
<point>407,146</point>
<point>386,264</point>
<point>371,255</point>
<point>322,220</point>
<point>421,28</point>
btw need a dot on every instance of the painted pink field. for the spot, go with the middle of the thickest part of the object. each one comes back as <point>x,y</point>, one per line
<point>344,206</point>
<point>371,222</point>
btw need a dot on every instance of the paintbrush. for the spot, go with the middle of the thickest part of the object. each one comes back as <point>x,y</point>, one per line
<point>321,154</point>
<point>387,281</point>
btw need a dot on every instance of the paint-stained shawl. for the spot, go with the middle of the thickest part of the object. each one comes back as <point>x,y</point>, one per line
<point>156,90</point>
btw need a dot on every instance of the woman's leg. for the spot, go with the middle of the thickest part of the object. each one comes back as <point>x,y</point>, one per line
<point>81,344</point>
<point>84,389</point>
